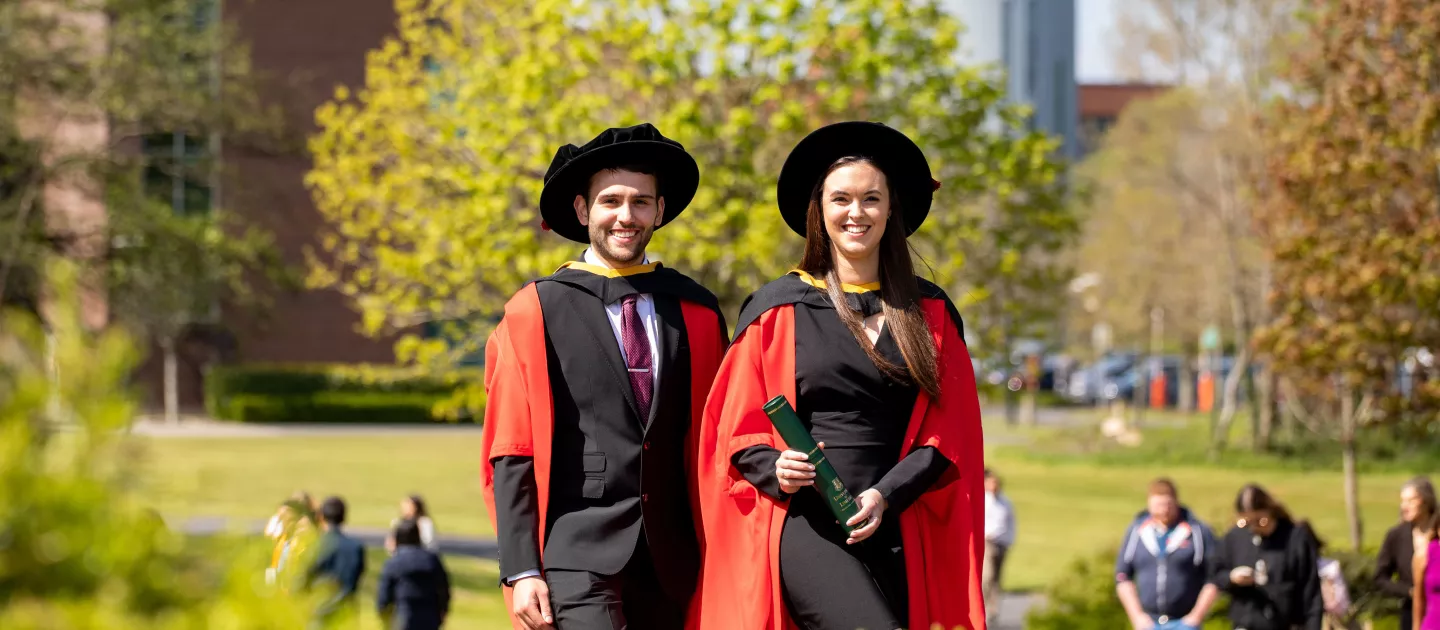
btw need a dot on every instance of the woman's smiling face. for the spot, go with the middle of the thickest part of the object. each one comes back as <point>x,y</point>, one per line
<point>855,201</point>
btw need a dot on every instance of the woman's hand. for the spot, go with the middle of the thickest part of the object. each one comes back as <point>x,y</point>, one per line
<point>872,508</point>
<point>794,471</point>
<point>1242,576</point>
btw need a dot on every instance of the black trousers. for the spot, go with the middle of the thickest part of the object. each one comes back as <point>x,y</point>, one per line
<point>629,600</point>
<point>830,585</point>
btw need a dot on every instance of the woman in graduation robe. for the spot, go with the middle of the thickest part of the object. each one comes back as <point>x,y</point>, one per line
<point>874,361</point>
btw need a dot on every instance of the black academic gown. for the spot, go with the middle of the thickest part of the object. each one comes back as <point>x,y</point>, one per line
<point>609,480</point>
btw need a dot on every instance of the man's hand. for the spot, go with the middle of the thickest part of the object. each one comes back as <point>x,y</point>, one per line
<point>1193,622</point>
<point>1142,622</point>
<point>531,603</point>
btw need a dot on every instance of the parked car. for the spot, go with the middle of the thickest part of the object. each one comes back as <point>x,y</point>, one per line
<point>1139,375</point>
<point>1087,385</point>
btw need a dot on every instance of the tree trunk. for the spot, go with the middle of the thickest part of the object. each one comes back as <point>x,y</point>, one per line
<point>1266,399</point>
<point>1228,398</point>
<point>1028,404</point>
<point>1252,400</point>
<point>1348,422</point>
<point>171,378</point>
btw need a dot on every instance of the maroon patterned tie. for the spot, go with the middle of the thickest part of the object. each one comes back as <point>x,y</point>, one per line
<point>637,354</point>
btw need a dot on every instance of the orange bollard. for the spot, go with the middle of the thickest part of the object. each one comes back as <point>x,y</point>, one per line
<point>1205,392</point>
<point>1157,391</point>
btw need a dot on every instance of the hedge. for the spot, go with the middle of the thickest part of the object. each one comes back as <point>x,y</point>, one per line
<point>325,393</point>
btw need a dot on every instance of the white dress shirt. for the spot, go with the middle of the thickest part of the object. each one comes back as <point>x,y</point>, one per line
<point>645,308</point>
<point>999,520</point>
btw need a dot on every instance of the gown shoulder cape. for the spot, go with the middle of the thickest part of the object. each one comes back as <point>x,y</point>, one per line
<point>519,418</point>
<point>943,531</point>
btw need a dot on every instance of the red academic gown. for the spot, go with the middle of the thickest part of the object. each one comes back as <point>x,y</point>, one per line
<point>943,531</point>
<point>519,407</point>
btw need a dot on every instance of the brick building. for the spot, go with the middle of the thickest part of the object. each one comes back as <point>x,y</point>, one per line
<point>1100,106</point>
<point>300,52</point>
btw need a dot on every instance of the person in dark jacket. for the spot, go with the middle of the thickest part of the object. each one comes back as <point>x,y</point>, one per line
<point>340,561</point>
<point>1270,566</point>
<point>414,589</point>
<point>1166,559</point>
<point>1394,566</point>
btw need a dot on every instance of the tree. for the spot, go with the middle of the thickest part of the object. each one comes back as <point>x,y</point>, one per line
<point>1222,53</point>
<point>172,271</point>
<point>111,120</point>
<point>429,176</point>
<point>79,551</point>
<point>1353,223</point>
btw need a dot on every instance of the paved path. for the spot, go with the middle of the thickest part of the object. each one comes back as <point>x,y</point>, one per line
<point>1012,608</point>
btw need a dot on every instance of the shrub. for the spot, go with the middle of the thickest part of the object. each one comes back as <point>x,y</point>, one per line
<point>1081,598</point>
<point>76,550</point>
<point>330,393</point>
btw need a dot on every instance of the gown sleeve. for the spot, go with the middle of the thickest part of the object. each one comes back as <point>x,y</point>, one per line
<point>911,477</point>
<point>516,512</point>
<point>757,465</point>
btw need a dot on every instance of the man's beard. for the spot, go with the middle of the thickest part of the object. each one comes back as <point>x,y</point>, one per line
<point>600,242</point>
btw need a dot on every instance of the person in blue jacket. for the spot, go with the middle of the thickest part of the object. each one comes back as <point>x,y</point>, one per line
<point>414,589</point>
<point>1165,563</point>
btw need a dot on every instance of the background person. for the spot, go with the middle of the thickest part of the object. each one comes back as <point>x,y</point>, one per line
<point>414,589</point>
<point>1394,566</point>
<point>999,536</point>
<point>340,561</point>
<point>1166,560</point>
<point>1269,564</point>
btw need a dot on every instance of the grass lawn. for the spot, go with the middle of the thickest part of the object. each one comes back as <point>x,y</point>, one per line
<point>247,477</point>
<point>1065,508</point>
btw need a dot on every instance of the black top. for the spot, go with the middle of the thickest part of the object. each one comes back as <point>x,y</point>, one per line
<point>1290,596</point>
<point>414,590</point>
<point>847,402</point>
<point>1394,573</point>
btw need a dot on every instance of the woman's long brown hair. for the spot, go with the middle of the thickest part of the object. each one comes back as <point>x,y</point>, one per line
<point>899,291</point>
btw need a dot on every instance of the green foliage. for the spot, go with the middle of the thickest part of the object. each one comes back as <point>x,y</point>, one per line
<point>429,176</point>
<point>169,270</point>
<point>343,407</point>
<point>1351,213</point>
<point>142,67</point>
<point>78,551</point>
<point>1082,597</point>
<point>331,393</point>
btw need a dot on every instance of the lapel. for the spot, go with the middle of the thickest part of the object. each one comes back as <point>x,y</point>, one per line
<point>670,319</point>
<point>591,314</point>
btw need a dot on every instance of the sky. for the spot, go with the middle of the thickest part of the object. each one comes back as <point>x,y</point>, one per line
<point>1094,30</point>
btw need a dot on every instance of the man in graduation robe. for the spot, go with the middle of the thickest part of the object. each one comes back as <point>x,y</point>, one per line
<point>596,377</point>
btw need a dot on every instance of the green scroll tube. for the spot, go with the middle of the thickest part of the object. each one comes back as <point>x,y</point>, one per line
<point>827,482</point>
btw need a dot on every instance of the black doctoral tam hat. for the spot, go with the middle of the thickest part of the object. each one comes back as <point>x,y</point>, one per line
<point>569,174</point>
<point>897,155</point>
